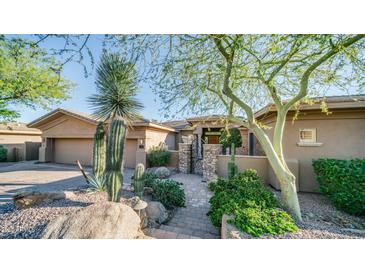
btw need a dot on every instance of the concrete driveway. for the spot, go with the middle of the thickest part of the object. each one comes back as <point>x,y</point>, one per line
<point>26,176</point>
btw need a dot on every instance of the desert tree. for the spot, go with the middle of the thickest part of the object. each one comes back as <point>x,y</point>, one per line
<point>29,76</point>
<point>234,75</point>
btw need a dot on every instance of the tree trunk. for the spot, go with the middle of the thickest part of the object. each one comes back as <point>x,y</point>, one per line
<point>283,174</point>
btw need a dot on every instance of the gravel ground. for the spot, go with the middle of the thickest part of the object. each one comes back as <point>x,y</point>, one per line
<point>320,219</point>
<point>29,223</point>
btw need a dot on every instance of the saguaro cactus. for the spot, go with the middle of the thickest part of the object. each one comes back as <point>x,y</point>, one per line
<point>114,159</point>
<point>138,181</point>
<point>232,167</point>
<point>99,151</point>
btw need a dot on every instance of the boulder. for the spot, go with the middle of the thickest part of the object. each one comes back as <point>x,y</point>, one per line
<point>162,172</point>
<point>106,220</point>
<point>147,190</point>
<point>229,231</point>
<point>156,214</point>
<point>27,199</point>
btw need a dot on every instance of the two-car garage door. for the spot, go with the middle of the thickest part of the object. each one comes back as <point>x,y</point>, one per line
<point>68,150</point>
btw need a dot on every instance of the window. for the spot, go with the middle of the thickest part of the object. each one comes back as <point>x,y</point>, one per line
<point>307,135</point>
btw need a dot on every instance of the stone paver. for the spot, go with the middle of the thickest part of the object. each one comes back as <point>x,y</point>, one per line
<point>192,221</point>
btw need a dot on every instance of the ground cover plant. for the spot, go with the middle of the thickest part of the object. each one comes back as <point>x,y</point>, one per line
<point>343,182</point>
<point>255,209</point>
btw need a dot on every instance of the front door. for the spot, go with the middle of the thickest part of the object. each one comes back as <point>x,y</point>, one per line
<point>213,139</point>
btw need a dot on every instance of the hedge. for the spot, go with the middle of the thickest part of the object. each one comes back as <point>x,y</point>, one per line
<point>343,182</point>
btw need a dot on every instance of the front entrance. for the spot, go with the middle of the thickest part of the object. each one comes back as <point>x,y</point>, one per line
<point>213,139</point>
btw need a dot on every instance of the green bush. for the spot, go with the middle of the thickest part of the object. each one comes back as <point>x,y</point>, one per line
<point>3,154</point>
<point>158,156</point>
<point>149,179</point>
<point>343,181</point>
<point>245,196</point>
<point>232,136</point>
<point>169,193</point>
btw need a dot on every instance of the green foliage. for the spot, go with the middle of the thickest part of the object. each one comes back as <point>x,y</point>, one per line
<point>97,183</point>
<point>158,156</point>
<point>245,196</point>
<point>232,167</point>
<point>189,71</point>
<point>116,83</point>
<point>99,151</point>
<point>343,181</point>
<point>3,154</point>
<point>114,157</point>
<point>138,182</point>
<point>232,136</point>
<point>149,179</point>
<point>169,193</point>
<point>258,221</point>
<point>28,77</point>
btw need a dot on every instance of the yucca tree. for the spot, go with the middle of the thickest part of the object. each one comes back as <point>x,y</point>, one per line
<point>115,102</point>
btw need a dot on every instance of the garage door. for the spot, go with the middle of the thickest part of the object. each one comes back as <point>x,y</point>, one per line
<point>67,151</point>
<point>130,153</point>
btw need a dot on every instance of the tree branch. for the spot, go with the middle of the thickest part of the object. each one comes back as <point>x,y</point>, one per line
<point>305,78</point>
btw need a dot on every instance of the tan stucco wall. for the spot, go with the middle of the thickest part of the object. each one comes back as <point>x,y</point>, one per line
<point>18,138</point>
<point>341,133</point>
<point>68,127</point>
<point>244,162</point>
<point>154,137</point>
<point>15,144</point>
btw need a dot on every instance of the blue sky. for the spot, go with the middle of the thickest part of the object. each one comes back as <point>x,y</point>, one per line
<point>85,87</point>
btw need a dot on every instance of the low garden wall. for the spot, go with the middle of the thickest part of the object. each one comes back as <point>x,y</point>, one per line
<point>244,162</point>
<point>261,164</point>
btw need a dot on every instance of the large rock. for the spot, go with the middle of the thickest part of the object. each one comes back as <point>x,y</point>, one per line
<point>162,172</point>
<point>107,220</point>
<point>156,213</point>
<point>27,199</point>
<point>229,231</point>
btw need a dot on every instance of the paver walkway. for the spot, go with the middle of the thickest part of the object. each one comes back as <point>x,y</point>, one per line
<point>190,222</point>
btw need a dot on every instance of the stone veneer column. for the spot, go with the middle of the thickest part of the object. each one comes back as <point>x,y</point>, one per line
<point>184,158</point>
<point>210,159</point>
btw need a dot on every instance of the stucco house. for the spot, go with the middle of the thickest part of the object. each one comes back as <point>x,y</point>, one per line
<point>21,141</point>
<point>67,136</point>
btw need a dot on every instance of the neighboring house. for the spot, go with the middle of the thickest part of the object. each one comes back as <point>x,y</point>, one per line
<point>21,142</point>
<point>67,136</point>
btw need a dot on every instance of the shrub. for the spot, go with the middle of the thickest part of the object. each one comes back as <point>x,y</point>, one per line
<point>343,182</point>
<point>149,179</point>
<point>232,136</point>
<point>3,154</point>
<point>245,196</point>
<point>158,156</point>
<point>169,193</point>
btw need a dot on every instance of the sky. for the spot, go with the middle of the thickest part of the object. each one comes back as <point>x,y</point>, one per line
<point>86,86</point>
